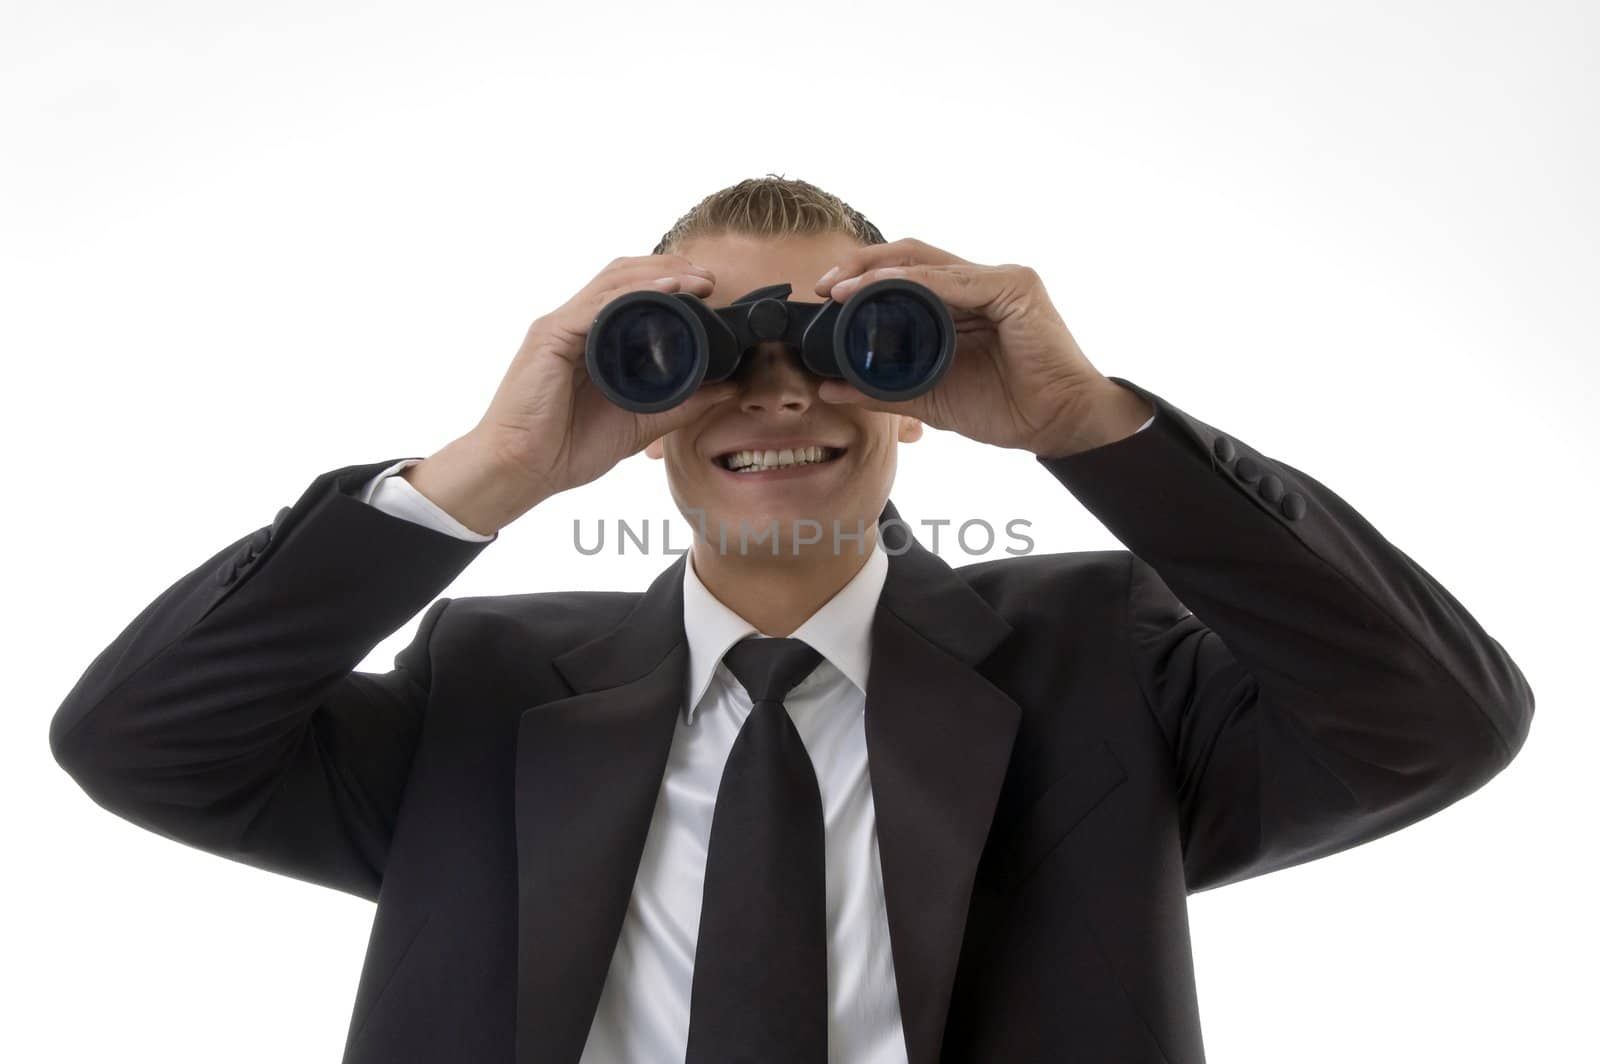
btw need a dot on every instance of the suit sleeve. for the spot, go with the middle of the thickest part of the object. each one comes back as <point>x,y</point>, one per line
<point>1316,687</point>
<point>228,715</point>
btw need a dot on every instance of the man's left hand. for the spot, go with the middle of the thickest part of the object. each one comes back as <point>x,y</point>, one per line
<point>1017,377</point>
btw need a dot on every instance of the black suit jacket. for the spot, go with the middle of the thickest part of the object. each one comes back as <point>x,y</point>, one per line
<point>1060,750</point>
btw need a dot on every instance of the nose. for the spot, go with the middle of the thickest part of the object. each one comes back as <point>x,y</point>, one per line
<point>772,380</point>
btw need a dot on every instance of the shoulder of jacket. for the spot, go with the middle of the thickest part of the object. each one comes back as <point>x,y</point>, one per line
<point>1030,569</point>
<point>1030,588</point>
<point>565,611</point>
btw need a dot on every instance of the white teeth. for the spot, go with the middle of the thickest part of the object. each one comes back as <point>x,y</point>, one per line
<point>755,461</point>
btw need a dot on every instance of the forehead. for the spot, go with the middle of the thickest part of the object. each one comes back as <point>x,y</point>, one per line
<point>742,262</point>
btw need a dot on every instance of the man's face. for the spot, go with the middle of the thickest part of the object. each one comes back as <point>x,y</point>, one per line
<point>777,408</point>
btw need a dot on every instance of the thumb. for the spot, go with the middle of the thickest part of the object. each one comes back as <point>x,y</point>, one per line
<point>843,393</point>
<point>838,391</point>
<point>654,426</point>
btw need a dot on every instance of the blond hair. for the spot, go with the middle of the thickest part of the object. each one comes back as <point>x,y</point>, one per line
<point>769,206</point>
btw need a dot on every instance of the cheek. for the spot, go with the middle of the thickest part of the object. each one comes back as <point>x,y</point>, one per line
<point>688,477</point>
<point>678,456</point>
<point>879,455</point>
<point>673,464</point>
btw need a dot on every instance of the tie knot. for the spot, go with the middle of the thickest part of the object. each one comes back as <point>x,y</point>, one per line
<point>770,668</point>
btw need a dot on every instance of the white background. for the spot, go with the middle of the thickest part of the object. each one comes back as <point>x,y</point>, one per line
<point>244,244</point>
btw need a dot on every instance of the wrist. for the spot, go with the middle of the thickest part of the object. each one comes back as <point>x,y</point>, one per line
<point>469,482</point>
<point>1105,414</point>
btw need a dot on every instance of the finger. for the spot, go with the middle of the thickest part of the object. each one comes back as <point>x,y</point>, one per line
<point>660,264</point>
<point>985,290</point>
<point>641,271</point>
<point>654,426</point>
<point>905,252</point>
<point>676,282</point>
<point>590,308</point>
<point>570,323</point>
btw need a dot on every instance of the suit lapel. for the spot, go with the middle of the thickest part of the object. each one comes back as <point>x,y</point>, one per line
<point>589,769</point>
<point>939,738</point>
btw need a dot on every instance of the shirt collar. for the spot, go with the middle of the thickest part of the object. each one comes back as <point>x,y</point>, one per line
<point>840,630</point>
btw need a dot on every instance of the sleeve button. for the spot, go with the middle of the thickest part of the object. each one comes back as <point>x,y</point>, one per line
<point>1270,488</point>
<point>1222,447</point>
<point>1292,506</point>
<point>1247,468</point>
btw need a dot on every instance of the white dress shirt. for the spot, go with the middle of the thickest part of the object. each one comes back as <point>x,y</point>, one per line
<point>643,1014</point>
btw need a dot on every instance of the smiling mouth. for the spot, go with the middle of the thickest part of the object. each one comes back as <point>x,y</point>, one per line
<point>787,458</point>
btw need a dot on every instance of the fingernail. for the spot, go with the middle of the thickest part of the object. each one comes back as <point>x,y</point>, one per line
<point>830,275</point>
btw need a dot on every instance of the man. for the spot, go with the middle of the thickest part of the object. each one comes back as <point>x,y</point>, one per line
<point>957,820</point>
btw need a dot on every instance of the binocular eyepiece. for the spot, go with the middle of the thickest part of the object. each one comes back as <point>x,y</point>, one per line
<point>649,351</point>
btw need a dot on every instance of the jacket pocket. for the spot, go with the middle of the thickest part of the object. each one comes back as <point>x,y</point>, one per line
<point>1093,774</point>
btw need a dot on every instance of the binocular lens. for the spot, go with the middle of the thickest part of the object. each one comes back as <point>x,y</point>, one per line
<point>647,353</point>
<point>893,342</point>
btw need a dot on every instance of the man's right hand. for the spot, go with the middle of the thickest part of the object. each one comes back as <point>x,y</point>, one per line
<point>548,427</point>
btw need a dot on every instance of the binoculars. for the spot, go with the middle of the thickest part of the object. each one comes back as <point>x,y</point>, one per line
<point>648,351</point>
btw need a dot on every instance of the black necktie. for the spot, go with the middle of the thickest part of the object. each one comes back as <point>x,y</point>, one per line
<point>760,993</point>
